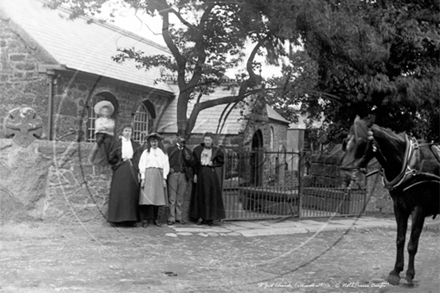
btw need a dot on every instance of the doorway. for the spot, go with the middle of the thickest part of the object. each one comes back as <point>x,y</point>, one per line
<point>257,158</point>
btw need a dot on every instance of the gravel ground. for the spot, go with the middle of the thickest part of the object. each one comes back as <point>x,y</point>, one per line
<point>39,257</point>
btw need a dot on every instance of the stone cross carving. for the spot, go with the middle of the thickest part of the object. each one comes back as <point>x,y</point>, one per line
<point>24,125</point>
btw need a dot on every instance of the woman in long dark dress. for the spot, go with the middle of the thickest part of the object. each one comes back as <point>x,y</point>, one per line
<point>124,191</point>
<point>207,202</point>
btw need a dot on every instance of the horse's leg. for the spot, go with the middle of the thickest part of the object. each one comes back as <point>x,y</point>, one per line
<point>401,216</point>
<point>416,229</point>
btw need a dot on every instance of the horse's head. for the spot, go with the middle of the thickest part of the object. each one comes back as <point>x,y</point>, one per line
<point>357,147</point>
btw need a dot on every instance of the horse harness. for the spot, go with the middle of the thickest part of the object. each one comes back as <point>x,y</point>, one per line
<point>409,166</point>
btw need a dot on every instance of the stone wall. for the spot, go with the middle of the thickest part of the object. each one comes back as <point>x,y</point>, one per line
<point>323,171</point>
<point>52,181</point>
<point>74,94</point>
<point>279,136</point>
<point>20,82</point>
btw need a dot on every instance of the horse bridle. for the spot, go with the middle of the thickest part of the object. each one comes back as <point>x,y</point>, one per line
<point>371,145</point>
<point>408,171</point>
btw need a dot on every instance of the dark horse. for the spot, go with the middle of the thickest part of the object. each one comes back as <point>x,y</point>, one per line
<point>411,173</point>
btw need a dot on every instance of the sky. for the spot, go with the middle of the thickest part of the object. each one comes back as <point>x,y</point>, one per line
<point>140,23</point>
<point>151,28</point>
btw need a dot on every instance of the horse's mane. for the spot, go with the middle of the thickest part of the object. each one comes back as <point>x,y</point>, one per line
<point>381,132</point>
<point>386,132</point>
<point>389,135</point>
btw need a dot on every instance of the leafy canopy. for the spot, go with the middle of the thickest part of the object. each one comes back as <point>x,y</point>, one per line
<point>382,55</point>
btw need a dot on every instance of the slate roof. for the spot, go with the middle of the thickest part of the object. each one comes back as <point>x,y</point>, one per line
<point>83,46</point>
<point>208,119</point>
<point>274,115</point>
<point>89,47</point>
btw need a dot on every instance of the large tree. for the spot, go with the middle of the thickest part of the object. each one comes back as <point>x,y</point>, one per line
<point>382,55</point>
<point>205,38</point>
<point>294,88</point>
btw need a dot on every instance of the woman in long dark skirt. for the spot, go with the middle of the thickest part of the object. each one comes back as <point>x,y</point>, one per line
<point>207,202</point>
<point>124,191</point>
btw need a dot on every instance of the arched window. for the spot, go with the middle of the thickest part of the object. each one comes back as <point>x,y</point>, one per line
<point>92,116</point>
<point>271,138</point>
<point>141,121</point>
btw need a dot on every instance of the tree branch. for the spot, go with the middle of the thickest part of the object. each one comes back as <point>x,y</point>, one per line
<point>254,78</point>
<point>200,48</point>
<point>221,125</point>
<point>163,9</point>
<point>225,100</point>
<point>199,97</point>
<point>179,16</point>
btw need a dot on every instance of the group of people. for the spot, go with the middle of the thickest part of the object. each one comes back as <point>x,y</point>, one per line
<point>149,176</point>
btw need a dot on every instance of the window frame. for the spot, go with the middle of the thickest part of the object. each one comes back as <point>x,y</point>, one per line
<point>141,123</point>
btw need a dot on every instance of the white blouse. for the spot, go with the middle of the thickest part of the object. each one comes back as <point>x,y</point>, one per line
<point>156,158</point>
<point>127,148</point>
<point>206,158</point>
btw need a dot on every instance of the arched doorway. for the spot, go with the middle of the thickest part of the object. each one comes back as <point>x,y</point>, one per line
<point>257,158</point>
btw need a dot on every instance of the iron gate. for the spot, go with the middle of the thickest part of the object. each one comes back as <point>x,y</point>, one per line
<point>263,184</point>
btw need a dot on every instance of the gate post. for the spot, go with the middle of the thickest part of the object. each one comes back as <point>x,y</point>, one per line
<point>300,189</point>
<point>281,166</point>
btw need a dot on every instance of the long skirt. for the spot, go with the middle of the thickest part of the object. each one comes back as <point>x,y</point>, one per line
<point>124,195</point>
<point>207,201</point>
<point>153,193</point>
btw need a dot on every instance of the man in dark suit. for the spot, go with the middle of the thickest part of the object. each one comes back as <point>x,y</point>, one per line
<point>180,158</point>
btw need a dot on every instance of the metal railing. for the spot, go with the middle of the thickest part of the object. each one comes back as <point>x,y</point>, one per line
<point>263,184</point>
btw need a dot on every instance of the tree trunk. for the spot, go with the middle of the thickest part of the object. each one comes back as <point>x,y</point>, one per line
<point>182,119</point>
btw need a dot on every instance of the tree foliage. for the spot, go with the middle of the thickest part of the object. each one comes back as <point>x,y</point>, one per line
<point>382,55</point>
<point>294,87</point>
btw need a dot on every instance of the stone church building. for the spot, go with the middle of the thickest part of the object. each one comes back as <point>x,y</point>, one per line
<point>60,68</point>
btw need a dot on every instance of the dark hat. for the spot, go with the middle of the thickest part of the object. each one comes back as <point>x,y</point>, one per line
<point>155,135</point>
<point>180,140</point>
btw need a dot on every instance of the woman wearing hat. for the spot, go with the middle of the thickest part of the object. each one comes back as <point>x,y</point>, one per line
<point>124,190</point>
<point>154,168</point>
<point>104,131</point>
<point>207,201</point>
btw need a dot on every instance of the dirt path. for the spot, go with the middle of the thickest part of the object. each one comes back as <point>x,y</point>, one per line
<point>94,258</point>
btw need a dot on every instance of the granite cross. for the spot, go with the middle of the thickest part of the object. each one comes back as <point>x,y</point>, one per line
<point>24,125</point>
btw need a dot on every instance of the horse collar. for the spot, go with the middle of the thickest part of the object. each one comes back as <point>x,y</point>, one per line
<point>407,167</point>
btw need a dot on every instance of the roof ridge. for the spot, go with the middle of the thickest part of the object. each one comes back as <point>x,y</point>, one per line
<point>110,26</point>
<point>275,115</point>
